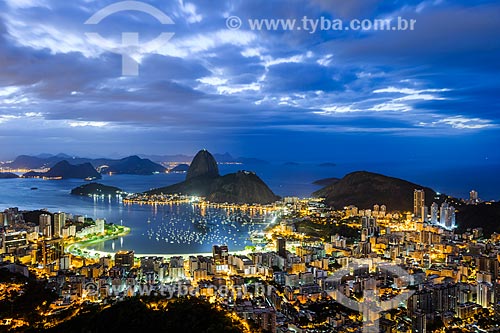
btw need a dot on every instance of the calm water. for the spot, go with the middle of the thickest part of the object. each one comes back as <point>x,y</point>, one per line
<point>188,229</point>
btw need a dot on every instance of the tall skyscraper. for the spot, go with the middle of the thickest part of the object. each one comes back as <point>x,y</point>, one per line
<point>418,202</point>
<point>447,216</point>
<point>443,213</point>
<point>473,197</point>
<point>484,293</point>
<point>450,218</point>
<point>45,222</point>
<point>281,247</point>
<point>496,299</point>
<point>99,224</point>
<point>59,221</point>
<point>425,213</point>
<point>220,254</point>
<point>419,322</point>
<point>434,213</point>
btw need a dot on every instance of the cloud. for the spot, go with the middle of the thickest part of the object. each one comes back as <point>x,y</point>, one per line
<point>16,4</point>
<point>209,82</point>
<point>462,123</point>
<point>88,124</point>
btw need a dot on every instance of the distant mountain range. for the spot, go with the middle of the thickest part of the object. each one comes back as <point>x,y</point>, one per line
<point>133,165</point>
<point>220,158</point>
<point>41,161</point>
<point>203,179</point>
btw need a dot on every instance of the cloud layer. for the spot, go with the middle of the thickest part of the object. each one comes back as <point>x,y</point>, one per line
<point>238,89</point>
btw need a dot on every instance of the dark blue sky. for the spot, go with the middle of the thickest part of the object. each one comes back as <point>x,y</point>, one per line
<point>428,95</point>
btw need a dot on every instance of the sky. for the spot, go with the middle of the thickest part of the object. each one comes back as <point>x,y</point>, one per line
<point>430,95</point>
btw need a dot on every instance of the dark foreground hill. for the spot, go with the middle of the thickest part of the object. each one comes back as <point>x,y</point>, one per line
<point>203,180</point>
<point>65,170</point>
<point>365,189</point>
<point>485,215</point>
<point>133,315</point>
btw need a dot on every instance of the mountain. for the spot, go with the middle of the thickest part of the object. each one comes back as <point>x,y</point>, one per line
<point>182,314</point>
<point>484,215</point>
<point>32,162</point>
<point>241,187</point>
<point>365,189</point>
<point>65,170</point>
<point>326,181</point>
<point>8,175</point>
<point>203,180</point>
<point>133,165</point>
<point>327,165</point>
<point>203,165</point>
<point>130,165</point>
<point>180,168</point>
<point>96,189</point>
<point>168,158</point>
<point>224,158</point>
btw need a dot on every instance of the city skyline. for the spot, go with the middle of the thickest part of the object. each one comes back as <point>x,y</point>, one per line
<point>426,94</point>
<point>245,166</point>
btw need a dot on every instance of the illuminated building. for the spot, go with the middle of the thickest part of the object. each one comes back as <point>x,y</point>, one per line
<point>418,202</point>
<point>99,226</point>
<point>46,225</point>
<point>124,259</point>
<point>13,240</point>
<point>425,213</point>
<point>484,293</point>
<point>64,263</point>
<point>369,226</point>
<point>176,268</point>
<point>220,254</point>
<point>281,247</point>
<point>473,197</point>
<point>434,213</point>
<point>443,213</point>
<point>59,221</point>
<point>221,258</point>
<point>419,322</point>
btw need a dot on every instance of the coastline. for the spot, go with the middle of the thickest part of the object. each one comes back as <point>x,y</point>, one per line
<point>95,254</point>
<point>82,245</point>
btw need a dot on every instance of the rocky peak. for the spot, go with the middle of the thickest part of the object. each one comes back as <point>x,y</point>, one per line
<point>203,165</point>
